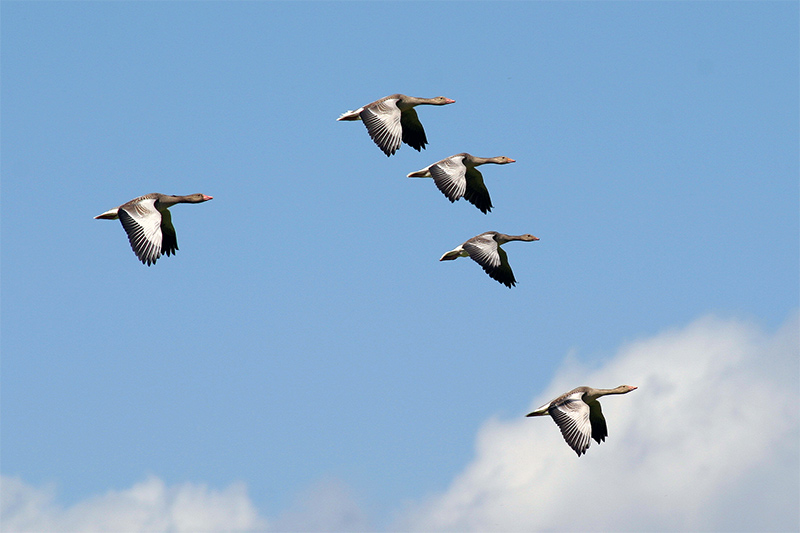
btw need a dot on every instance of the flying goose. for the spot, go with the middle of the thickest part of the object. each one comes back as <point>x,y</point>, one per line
<point>392,119</point>
<point>148,223</point>
<point>457,177</point>
<point>579,416</point>
<point>485,250</point>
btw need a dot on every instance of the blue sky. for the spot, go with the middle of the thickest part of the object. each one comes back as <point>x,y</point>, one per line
<point>305,349</point>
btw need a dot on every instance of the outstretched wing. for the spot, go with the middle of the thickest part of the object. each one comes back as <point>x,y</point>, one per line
<point>413,132</point>
<point>572,417</point>
<point>476,192</point>
<point>383,124</point>
<point>599,428</point>
<point>169,240</point>
<point>503,273</point>
<point>449,175</point>
<point>485,251</point>
<point>142,222</point>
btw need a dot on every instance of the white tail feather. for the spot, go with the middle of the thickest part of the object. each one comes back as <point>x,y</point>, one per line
<point>453,254</point>
<point>111,214</point>
<point>352,115</point>
<point>424,173</point>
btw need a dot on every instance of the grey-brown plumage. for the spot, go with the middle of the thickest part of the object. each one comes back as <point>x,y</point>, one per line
<point>457,177</point>
<point>485,250</point>
<point>392,120</point>
<point>148,223</point>
<point>579,416</point>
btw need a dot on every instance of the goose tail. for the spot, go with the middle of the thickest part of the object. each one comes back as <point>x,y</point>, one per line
<point>351,115</point>
<point>424,173</point>
<point>111,214</point>
<point>452,254</point>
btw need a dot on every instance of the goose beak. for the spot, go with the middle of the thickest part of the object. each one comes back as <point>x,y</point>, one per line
<point>512,160</point>
<point>449,101</point>
<point>207,198</point>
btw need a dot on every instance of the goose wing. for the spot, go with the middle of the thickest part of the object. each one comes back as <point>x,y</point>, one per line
<point>449,175</point>
<point>485,251</point>
<point>169,240</point>
<point>413,132</point>
<point>382,120</point>
<point>142,222</point>
<point>503,273</point>
<point>572,416</point>
<point>476,192</point>
<point>598,421</point>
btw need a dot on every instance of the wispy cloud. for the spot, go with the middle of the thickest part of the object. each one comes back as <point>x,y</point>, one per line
<point>709,441</point>
<point>147,506</point>
<point>328,505</point>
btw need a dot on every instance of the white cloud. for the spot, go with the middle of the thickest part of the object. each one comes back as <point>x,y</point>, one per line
<point>147,506</point>
<point>708,442</point>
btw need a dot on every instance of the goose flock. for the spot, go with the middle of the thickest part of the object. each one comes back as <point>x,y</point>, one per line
<point>392,119</point>
<point>390,122</point>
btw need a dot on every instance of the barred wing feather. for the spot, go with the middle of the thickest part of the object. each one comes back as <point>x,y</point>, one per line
<point>572,417</point>
<point>142,223</point>
<point>449,175</point>
<point>383,124</point>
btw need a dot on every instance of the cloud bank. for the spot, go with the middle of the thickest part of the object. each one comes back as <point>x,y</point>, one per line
<point>710,441</point>
<point>147,506</point>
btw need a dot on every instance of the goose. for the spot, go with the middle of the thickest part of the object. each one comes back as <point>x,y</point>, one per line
<point>392,119</point>
<point>579,416</point>
<point>485,250</point>
<point>148,223</point>
<point>457,177</point>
